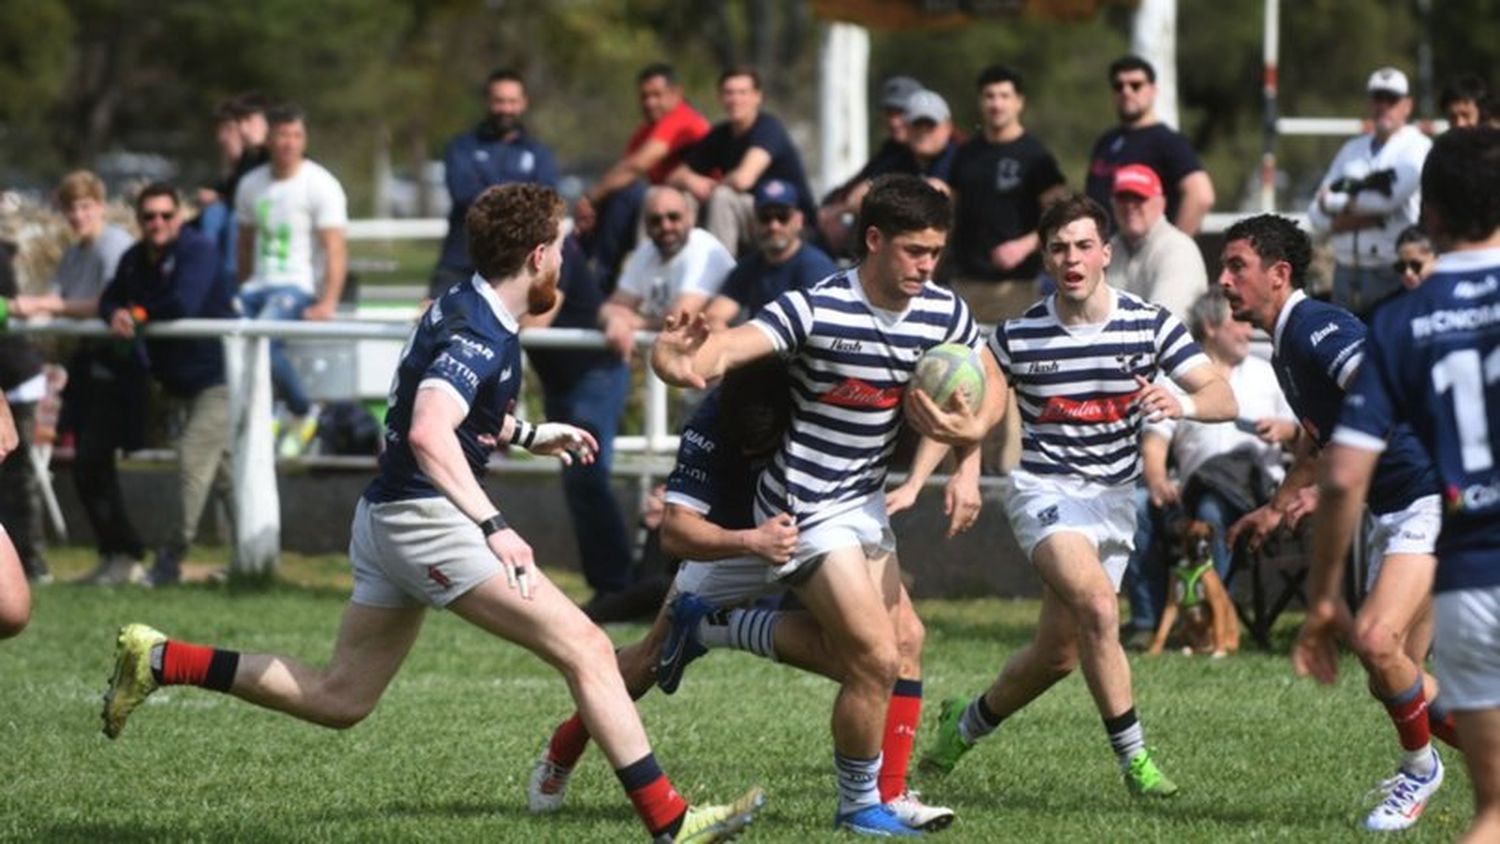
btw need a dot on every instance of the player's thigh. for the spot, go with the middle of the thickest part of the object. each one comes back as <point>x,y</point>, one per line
<point>547,623</point>
<point>15,592</point>
<point>1479,736</point>
<point>1068,563</point>
<point>1400,592</point>
<point>843,597</point>
<point>371,645</point>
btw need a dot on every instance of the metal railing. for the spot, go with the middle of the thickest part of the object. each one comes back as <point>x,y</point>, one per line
<point>256,502</point>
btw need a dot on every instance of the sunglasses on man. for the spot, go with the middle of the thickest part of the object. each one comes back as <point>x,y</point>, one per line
<point>773,214</point>
<point>1133,84</point>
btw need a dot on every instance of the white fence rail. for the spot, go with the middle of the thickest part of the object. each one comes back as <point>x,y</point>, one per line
<point>256,504</point>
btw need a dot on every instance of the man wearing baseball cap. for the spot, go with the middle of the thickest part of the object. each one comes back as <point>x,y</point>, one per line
<point>1149,256</point>
<point>782,260</point>
<point>835,214</point>
<point>1370,194</point>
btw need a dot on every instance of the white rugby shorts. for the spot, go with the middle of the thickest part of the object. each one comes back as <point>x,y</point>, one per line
<point>860,524</point>
<point>1413,530</point>
<point>727,583</point>
<point>421,551</point>
<point>1466,647</point>
<point>1040,506</point>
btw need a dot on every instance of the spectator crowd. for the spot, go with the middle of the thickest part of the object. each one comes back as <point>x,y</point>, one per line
<point>693,217</point>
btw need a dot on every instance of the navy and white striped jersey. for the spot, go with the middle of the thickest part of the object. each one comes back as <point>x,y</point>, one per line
<point>465,345</point>
<point>1076,388</point>
<point>849,363</point>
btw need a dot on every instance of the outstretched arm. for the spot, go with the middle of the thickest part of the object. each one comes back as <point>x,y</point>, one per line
<point>1209,397</point>
<point>687,354</point>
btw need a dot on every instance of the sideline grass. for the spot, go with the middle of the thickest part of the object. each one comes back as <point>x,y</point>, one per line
<point>446,755</point>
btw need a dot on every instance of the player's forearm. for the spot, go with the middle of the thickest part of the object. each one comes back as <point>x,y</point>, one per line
<point>78,308</point>
<point>1214,402</point>
<point>1154,459</point>
<point>1304,473</point>
<point>925,461</point>
<point>441,458</point>
<point>1340,501</point>
<point>690,536</point>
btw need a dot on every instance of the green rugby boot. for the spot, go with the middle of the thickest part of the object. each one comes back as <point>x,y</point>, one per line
<point>1144,779</point>
<point>948,746</point>
<point>132,681</point>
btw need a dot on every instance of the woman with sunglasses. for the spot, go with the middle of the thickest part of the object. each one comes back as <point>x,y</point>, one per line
<point>1415,257</point>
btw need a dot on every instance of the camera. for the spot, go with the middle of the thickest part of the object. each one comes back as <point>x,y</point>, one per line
<point>1380,181</point>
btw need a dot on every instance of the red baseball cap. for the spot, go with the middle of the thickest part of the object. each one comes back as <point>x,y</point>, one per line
<point>1138,179</point>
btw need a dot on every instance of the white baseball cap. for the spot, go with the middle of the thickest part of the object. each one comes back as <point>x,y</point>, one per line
<point>1388,80</point>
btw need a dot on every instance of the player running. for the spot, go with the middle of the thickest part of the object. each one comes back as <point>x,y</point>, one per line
<point>729,562</point>
<point>851,343</point>
<point>1433,362</point>
<point>1318,349</point>
<point>1083,362</point>
<point>426,534</point>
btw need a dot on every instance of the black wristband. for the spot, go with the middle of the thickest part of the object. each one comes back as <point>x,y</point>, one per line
<point>493,525</point>
<point>523,434</point>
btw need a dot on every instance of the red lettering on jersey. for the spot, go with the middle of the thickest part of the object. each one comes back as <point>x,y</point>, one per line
<point>1088,411</point>
<point>856,393</point>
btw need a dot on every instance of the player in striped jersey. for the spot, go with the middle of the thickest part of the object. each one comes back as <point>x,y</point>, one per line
<point>852,342</point>
<point>1433,361</point>
<point>1083,362</point>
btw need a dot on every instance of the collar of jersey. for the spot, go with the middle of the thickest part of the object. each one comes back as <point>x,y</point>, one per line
<point>885,315</point>
<point>1286,314</point>
<point>493,299</point>
<point>1085,329</point>
<point>1468,260</point>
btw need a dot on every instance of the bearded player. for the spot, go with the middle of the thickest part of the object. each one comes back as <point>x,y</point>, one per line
<point>425,533</point>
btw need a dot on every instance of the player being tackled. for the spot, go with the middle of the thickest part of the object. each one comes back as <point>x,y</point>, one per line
<point>426,512</point>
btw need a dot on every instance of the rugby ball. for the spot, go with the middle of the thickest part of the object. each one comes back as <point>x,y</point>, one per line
<point>948,369</point>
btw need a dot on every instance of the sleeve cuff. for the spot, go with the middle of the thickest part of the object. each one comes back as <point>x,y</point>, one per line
<point>440,384</point>
<point>682,499</point>
<point>1355,438</point>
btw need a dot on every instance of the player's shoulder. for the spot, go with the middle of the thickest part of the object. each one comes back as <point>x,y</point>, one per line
<point>1314,322</point>
<point>471,308</point>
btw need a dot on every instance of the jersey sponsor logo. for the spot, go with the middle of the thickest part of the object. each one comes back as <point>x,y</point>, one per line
<point>1475,289</point>
<point>454,370</point>
<point>1044,367</point>
<point>699,440</point>
<point>843,344</point>
<point>856,393</point>
<point>1317,336</point>
<point>1466,319</point>
<point>1472,497</point>
<point>1088,411</point>
<point>690,473</point>
<point>473,348</point>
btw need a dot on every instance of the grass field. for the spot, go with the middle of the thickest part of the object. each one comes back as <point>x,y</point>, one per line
<point>446,755</point>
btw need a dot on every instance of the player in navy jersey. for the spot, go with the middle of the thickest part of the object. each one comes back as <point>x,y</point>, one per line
<point>851,343</point>
<point>1084,363</point>
<point>727,561</point>
<point>1318,349</point>
<point>1433,362</point>
<point>425,533</point>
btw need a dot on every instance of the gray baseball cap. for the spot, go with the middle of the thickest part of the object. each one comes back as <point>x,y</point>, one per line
<point>927,105</point>
<point>897,90</point>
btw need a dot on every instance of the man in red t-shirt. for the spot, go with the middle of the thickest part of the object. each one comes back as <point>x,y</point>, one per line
<point>608,211</point>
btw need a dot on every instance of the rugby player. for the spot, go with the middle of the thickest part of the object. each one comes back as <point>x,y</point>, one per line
<point>425,534</point>
<point>1317,352</point>
<point>851,343</point>
<point>1432,362</point>
<point>1084,363</point>
<point>710,523</point>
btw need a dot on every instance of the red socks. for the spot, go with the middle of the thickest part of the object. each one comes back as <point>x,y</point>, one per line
<point>1408,712</point>
<point>901,719</point>
<point>660,806</point>
<point>569,741</point>
<point>183,664</point>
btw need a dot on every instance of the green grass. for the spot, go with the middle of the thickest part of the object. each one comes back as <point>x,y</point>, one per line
<point>446,755</point>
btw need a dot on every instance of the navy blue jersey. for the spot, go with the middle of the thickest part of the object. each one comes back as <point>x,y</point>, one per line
<point>1433,362</point>
<point>721,150</point>
<point>466,346</point>
<point>1318,351</point>
<point>713,477</point>
<point>755,282</point>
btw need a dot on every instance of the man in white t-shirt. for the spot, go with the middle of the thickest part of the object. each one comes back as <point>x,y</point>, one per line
<point>677,272</point>
<point>289,210</point>
<point>1224,492</point>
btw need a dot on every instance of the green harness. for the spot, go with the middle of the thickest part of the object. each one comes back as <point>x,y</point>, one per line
<point>1187,583</point>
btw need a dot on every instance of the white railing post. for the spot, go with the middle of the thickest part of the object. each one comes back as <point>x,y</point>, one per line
<point>256,502</point>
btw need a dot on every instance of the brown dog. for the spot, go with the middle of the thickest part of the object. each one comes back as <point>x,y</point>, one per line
<point>1209,623</point>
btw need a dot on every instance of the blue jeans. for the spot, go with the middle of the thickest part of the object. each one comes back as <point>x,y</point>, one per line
<point>1146,573</point>
<point>281,302</point>
<point>614,233</point>
<point>595,403</point>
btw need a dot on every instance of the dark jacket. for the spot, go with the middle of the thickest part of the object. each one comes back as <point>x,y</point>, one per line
<point>184,283</point>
